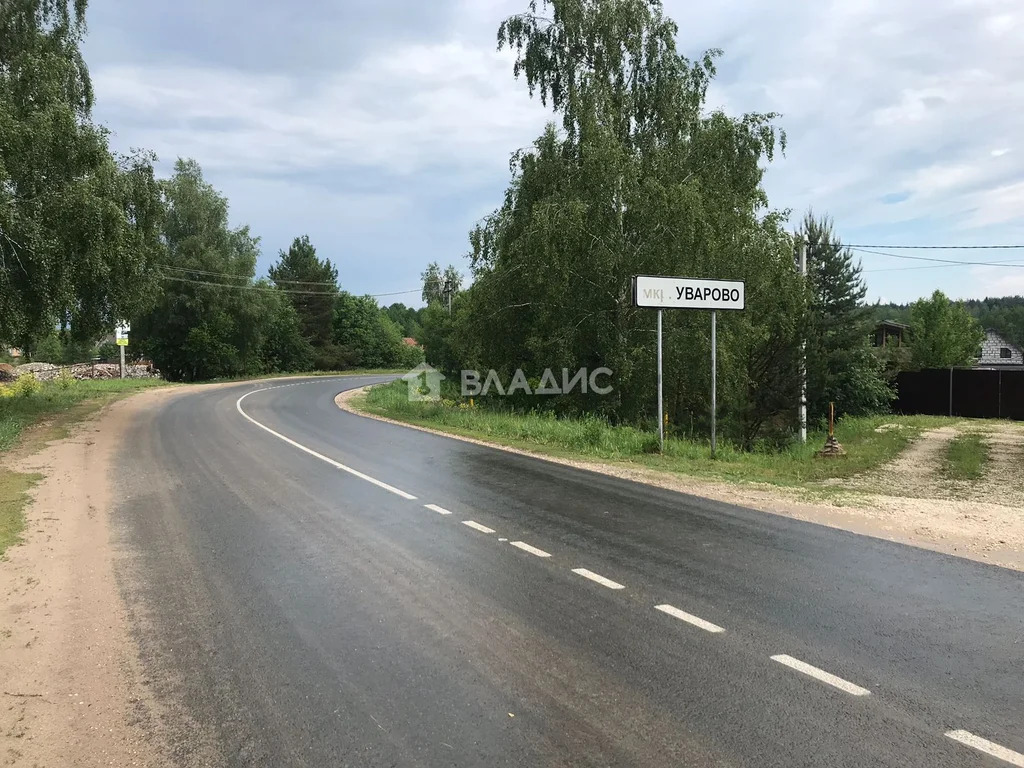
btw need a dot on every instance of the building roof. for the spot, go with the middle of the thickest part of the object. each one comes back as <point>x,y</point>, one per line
<point>893,324</point>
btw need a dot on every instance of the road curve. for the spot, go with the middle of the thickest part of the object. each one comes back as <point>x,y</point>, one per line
<point>312,588</point>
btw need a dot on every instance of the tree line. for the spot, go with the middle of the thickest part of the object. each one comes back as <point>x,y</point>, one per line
<point>636,174</point>
<point>89,238</point>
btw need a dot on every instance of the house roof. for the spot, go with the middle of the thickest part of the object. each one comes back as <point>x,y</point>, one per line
<point>893,324</point>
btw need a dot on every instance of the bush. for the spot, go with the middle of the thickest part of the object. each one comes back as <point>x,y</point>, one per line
<point>26,386</point>
<point>65,380</point>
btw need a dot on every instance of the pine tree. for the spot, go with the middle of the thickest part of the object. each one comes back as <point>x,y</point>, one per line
<point>313,285</point>
<point>841,366</point>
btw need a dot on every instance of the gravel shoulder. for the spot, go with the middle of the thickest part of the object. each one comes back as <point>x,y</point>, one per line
<point>906,501</point>
<point>72,692</point>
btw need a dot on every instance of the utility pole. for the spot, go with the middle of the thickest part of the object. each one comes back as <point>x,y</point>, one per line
<point>802,245</point>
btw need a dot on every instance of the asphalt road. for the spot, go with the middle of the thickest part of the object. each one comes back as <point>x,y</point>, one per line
<point>297,603</point>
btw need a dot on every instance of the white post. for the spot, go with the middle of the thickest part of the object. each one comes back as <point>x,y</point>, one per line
<point>803,354</point>
<point>661,402</point>
<point>714,382</point>
<point>122,361</point>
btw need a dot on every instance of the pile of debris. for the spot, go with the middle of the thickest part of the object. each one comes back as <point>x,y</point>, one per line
<point>83,371</point>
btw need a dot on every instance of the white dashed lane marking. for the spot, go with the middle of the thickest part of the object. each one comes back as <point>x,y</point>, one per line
<point>477,527</point>
<point>988,747</point>
<point>689,618</point>
<point>598,578</point>
<point>532,550</point>
<point>435,508</point>
<point>822,675</point>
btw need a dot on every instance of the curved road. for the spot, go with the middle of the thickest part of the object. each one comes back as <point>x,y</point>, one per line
<point>313,588</point>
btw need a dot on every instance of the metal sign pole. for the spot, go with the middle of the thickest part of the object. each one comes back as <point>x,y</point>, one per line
<point>122,360</point>
<point>661,401</point>
<point>714,381</point>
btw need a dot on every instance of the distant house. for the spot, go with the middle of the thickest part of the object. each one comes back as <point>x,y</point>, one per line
<point>410,342</point>
<point>998,352</point>
<point>889,333</point>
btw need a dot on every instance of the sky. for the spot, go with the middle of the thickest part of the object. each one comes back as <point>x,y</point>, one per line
<point>383,129</point>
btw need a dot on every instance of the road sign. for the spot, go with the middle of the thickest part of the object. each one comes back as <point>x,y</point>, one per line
<point>688,293</point>
<point>122,342</point>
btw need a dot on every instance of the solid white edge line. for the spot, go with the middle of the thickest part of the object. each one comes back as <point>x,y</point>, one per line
<point>988,747</point>
<point>689,618</point>
<point>527,548</point>
<point>477,527</point>
<point>820,674</point>
<point>598,578</point>
<point>311,452</point>
<point>435,508</point>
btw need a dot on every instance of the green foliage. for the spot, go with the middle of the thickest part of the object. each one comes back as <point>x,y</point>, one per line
<point>79,228</point>
<point>943,333</point>
<point>842,368</point>
<point>640,179</point>
<point>312,286</point>
<point>407,319</point>
<point>369,336</point>
<point>197,331</point>
<point>440,286</point>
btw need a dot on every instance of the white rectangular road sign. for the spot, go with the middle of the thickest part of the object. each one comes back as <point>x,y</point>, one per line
<point>688,293</point>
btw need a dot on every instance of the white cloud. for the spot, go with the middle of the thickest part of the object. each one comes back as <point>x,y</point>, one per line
<point>400,111</point>
<point>904,118</point>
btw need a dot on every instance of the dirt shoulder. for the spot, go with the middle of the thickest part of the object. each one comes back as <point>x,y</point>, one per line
<point>905,501</point>
<point>72,693</point>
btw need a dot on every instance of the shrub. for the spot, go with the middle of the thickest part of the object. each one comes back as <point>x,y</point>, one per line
<point>26,385</point>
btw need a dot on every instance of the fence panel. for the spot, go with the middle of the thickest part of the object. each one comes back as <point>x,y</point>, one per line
<point>977,393</point>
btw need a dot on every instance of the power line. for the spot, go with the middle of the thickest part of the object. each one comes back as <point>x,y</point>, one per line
<point>261,289</point>
<point>942,266</point>
<point>960,262</point>
<point>227,275</point>
<point>937,247</point>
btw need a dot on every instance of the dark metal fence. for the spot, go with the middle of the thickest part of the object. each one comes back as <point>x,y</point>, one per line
<point>968,392</point>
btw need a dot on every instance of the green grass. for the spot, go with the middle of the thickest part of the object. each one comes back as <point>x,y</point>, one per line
<point>14,487</point>
<point>966,457</point>
<point>19,412</point>
<point>594,439</point>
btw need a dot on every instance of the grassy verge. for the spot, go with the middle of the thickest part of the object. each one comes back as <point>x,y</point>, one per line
<point>53,400</point>
<point>14,487</point>
<point>42,413</point>
<point>868,446</point>
<point>966,457</point>
<point>353,372</point>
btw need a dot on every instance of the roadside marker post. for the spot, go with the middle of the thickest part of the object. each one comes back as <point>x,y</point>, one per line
<point>121,338</point>
<point>654,292</point>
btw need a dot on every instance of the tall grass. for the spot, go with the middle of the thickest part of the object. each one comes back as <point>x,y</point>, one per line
<point>868,444</point>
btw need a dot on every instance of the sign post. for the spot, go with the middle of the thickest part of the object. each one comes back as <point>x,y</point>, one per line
<point>688,293</point>
<point>661,395</point>
<point>121,337</point>
<point>714,382</point>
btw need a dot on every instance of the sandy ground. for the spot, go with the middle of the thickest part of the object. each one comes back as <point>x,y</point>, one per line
<point>72,693</point>
<point>905,501</point>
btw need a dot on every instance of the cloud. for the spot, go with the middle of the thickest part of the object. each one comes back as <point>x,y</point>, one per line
<point>901,116</point>
<point>442,106</point>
